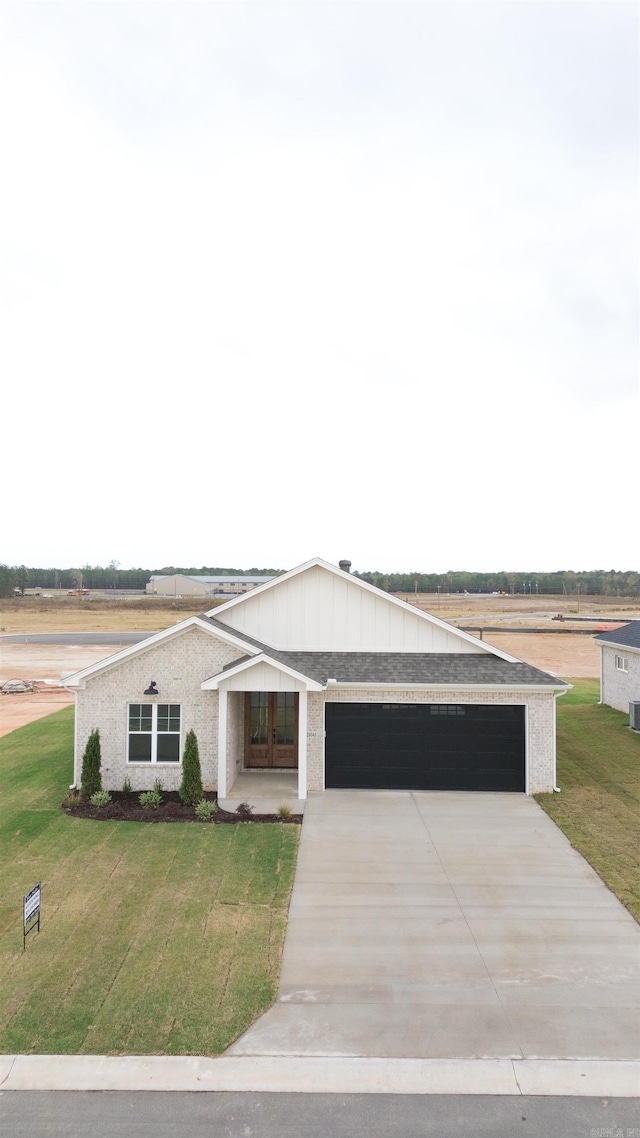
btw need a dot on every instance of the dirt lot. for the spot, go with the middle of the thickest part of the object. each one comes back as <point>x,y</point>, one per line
<point>25,707</point>
<point>70,614</point>
<point>565,654</point>
<point>45,664</point>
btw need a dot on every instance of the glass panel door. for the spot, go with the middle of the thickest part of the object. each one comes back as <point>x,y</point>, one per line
<point>271,729</point>
<point>259,722</point>
<point>285,718</point>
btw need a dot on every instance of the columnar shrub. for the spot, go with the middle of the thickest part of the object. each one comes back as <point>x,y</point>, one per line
<point>191,785</point>
<point>91,778</point>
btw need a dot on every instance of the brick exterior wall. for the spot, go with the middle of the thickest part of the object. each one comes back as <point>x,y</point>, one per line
<point>181,663</point>
<point>178,665</point>
<point>620,688</point>
<point>540,733</point>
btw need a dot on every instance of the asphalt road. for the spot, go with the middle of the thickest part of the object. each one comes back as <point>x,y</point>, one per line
<point>109,1114</point>
<point>79,638</point>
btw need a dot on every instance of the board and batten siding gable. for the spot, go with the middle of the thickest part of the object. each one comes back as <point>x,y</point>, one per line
<point>262,677</point>
<point>319,611</point>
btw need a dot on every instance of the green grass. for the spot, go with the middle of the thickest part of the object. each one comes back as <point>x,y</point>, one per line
<point>155,939</point>
<point>583,692</point>
<point>599,776</point>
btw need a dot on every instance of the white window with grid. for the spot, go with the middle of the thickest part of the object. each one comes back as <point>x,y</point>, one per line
<point>154,733</point>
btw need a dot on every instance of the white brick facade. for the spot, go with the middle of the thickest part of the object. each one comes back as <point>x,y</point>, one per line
<point>178,665</point>
<point>540,731</point>
<point>181,664</point>
<point>303,608</point>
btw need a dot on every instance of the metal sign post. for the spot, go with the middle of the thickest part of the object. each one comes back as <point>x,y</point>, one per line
<point>31,913</point>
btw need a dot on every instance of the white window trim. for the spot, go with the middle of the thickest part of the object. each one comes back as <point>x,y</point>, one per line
<point>154,736</point>
<point>622,663</point>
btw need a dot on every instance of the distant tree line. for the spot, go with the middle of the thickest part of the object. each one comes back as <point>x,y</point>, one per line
<point>587,583</point>
<point>111,577</point>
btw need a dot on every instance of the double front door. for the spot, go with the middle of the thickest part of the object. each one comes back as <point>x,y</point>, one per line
<point>271,729</point>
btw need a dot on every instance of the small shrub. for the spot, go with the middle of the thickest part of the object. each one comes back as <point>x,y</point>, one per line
<point>91,778</point>
<point>204,809</point>
<point>158,787</point>
<point>191,785</point>
<point>73,798</point>
<point>100,798</point>
<point>126,786</point>
<point>244,810</point>
<point>285,811</point>
<point>150,799</point>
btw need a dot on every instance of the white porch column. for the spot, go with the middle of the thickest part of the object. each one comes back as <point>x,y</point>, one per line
<point>302,744</point>
<point>222,743</point>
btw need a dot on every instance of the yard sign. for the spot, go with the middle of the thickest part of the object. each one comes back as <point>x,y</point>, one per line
<point>31,913</point>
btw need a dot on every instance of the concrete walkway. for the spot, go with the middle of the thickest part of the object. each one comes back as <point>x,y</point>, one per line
<point>328,1076</point>
<point>449,926</point>
<point>265,791</point>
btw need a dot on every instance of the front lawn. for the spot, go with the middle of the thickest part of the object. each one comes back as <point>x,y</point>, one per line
<point>155,939</point>
<point>599,777</point>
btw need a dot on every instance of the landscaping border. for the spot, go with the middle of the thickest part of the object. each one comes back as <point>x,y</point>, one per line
<point>127,808</point>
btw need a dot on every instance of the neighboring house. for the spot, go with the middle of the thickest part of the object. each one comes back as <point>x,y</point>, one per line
<point>185,585</point>
<point>320,672</point>
<point>620,665</point>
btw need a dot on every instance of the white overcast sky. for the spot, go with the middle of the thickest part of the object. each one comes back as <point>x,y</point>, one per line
<point>342,279</point>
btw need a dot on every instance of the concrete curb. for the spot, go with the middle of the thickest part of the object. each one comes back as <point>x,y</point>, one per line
<point>339,1075</point>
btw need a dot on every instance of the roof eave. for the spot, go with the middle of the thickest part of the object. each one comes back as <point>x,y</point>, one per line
<point>214,682</point>
<point>496,687</point>
<point>617,644</point>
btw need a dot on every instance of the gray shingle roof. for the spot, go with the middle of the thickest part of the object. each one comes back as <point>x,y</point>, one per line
<point>629,635</point>
<point>239,635</point>
<point>413,668</point>
<point>398,667</point>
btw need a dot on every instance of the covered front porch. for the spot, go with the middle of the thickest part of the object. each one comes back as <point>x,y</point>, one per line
<point>262,734</point>
<point>265,791</point>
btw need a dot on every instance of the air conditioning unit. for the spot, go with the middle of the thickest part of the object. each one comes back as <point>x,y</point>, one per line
<point>634,715</point>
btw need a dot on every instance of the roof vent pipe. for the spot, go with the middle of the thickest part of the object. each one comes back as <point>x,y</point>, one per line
<point>345,566</point>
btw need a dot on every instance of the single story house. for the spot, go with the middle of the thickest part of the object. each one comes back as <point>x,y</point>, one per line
<point>620,665</point>
<point>195,585</point>
<point>318,672</point>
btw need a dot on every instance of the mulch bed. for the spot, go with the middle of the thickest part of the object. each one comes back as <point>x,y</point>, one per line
<point>127,808</point>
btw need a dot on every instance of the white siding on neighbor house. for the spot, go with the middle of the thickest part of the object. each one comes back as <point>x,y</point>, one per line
<point>619,688</point>
<point>318,611</point>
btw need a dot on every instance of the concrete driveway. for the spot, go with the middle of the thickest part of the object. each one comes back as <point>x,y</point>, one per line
<point>449,925</point>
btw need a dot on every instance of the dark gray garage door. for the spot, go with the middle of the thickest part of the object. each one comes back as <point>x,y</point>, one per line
<point>415,746</point>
